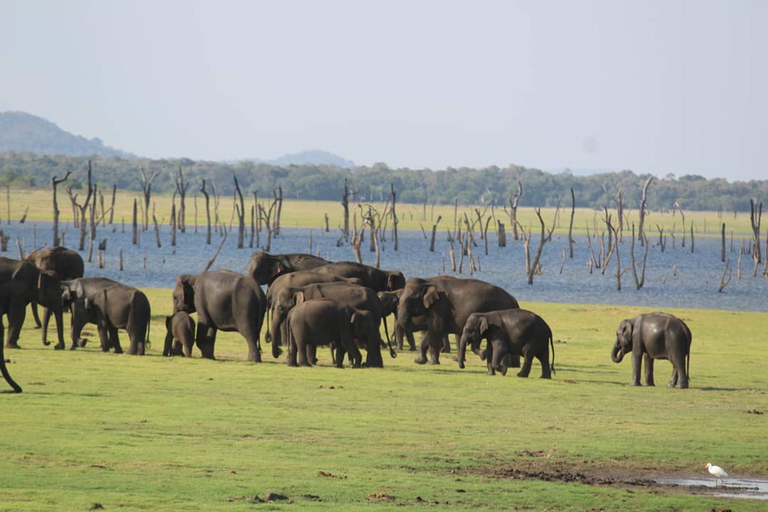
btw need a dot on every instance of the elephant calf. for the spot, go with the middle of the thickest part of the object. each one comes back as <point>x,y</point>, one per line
<point>510,332</point>
<point>655,336</point>
<point>180,335</point>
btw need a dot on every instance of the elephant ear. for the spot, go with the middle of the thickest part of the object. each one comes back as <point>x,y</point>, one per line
<point>430,296</point>
<point>299,297</point>
<point>279,269</point>
<point>483,324</point>
<point>627,329</point>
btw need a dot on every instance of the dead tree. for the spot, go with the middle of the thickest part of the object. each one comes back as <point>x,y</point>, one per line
<point>722,243</point>
<point>357,241</point>
<point>54,182</point>
<point>618,200</point>
<point>146,188</point>
<point>157,230</point>
<point>755,218</point>
<point>207,212</point>
<point>92,215</point>
<point>502,234</point>
<point>240,208</point>
<point>278,193</point>
<point>676,205</point>
<point>112,204</point>
<point>82,208</point>
<point>570,226</point>
<point>639,281</point>
<point>135,226</point>
<point>544,238</point>
<point>618,254</point>
<point>723,281</point>
<point>395,220</point>
<point>373,219</point>
<point>345,205</point>
<point>514,200</point>
<point>266,217</point>
<point>173,225</point>
<point>643,202</point>
<point>253,228</point>
<point>181,189</point>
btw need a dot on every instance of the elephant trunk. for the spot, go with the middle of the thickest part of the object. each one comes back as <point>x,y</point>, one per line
<point>462,351</point>
<point>617,354</point>
<point>275,335</point>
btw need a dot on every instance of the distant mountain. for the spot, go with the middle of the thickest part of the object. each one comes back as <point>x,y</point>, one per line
<point>24,132</point>
<point>315,156</point>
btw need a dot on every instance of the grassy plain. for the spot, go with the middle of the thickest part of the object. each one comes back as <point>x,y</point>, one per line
<point>153,433</point>
<point>310,214</point>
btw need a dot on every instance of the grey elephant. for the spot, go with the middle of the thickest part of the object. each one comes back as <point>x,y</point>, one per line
<point>180,335</point>
<point>67,264</point>
<point>371,277</point>
<point>347,294</point>
<point>224,301</point>
<point>327,322</point>
<point>264,268</point>
<point>112,308</point>
<point>655,336</point>
<point>71,289</point>
<point>22,283</point>
<point>441,305</point>
<point>509,332</point>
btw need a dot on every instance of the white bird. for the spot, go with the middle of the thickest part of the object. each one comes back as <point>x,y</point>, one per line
<point>717,472</point>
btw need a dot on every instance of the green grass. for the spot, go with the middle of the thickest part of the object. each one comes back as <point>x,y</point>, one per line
<point>152,433</point>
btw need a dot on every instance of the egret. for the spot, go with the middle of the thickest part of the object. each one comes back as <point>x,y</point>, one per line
<point>717,472</point>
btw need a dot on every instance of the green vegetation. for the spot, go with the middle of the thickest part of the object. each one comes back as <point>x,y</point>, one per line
<point>413,186</point>
<point>150,433</point>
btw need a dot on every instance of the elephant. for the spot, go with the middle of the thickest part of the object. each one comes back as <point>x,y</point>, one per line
<point>7,293</point>
<point>509,332</point>
<point>71,289</point>
<point>347,294</point>
<point>297,279</point>
<point>371,277</point>
<point>180,335</point>
<point>224,300</point>
<point>441,305</point>
<point>264,268</point>
<point>22,283</point>
<point>325,322</point>
<point>67,264</point>
<point>655,336</point>
<point>111,308</point>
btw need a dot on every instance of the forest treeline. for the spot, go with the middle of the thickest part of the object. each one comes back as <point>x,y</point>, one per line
<point>324,182</point>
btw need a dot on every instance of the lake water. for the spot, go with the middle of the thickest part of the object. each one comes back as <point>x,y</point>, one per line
<point>693,283</point>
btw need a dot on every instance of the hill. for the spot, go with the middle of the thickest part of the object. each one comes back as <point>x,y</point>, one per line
<point>22,132</point>
<point>311,157</point>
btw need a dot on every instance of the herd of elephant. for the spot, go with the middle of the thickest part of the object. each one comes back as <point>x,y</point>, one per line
<point>312,302</point>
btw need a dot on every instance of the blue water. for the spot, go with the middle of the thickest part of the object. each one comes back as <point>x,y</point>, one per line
<point>694,283</point>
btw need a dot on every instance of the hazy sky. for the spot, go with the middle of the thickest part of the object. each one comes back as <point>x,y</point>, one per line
<point>653,86</point>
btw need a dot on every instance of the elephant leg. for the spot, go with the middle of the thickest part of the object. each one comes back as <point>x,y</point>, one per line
<point>543,357</point>
<point>423,347</point>
<point>205,338</point>
<point>487,355</point>
<point>301,349</point>
<point>16,314</point>
<point>637,365</point>
<point>292,349</point>
<point>527,362</point>
<point>648,370</point>
<point>446,348</point>
<point>679,373</point>
<point>399,334</point>
<point>514,361</point>
<point>103,338</point>
<point>114,340</point>
<point>673,379</point>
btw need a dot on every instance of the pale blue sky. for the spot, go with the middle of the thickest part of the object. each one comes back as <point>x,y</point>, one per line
<point>653,86</point>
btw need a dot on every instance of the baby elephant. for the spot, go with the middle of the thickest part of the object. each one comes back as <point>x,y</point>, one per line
<point>655,336</point>
<point>180,335</point>
<point>510,332</point>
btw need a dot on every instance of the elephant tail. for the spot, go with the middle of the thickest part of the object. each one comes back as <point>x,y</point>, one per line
<point>688,362</point>
<point>4,370</point>
<point>552,345</point>
<point>147,343</point>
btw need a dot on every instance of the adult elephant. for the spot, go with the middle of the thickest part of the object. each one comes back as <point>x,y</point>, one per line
<point>347,294</point>
<point>509,332</point>
<point>72,289</point>
<point>264,268</point>
<point>441,305</point>
<point>373,278</point>
<point>655,336</point>
<point>224,301</point>
<point>111,308</point>
<point>328,322</point>
<point>389,302</point>
<point>67,264</point>
<point>22,283</point>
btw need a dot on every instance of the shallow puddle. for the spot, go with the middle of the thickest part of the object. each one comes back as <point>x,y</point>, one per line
<point>751,488</point>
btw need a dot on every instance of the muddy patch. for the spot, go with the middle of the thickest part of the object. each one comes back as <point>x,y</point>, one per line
<point>546,466</point>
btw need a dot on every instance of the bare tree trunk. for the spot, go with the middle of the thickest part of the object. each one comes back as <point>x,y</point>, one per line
<point>112,204</point>
<point>83,208</point>
<point>643,202</point>
<point>543,240</point>
<point>639,282</point>
<point>514,200</point>
<point>357,241</point>
<point>502,234</point>
<point>240,207</point>
<point>207,213</point>
<point>253,228</point>
<point>722,243</point>
<point>54,182</point>
<point>181,189</point>
<point>755,218</point>
<point>173,225</point>
<point>692,241</point>
<point>395,220</point>
<point>279,212</point>
<point>570,227</point>
<point>157,231</point>
<point>326,223</point>
<point>345,205</point>
<point>135,224</point>
<point>146,186</point>
<point>195,214</point>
